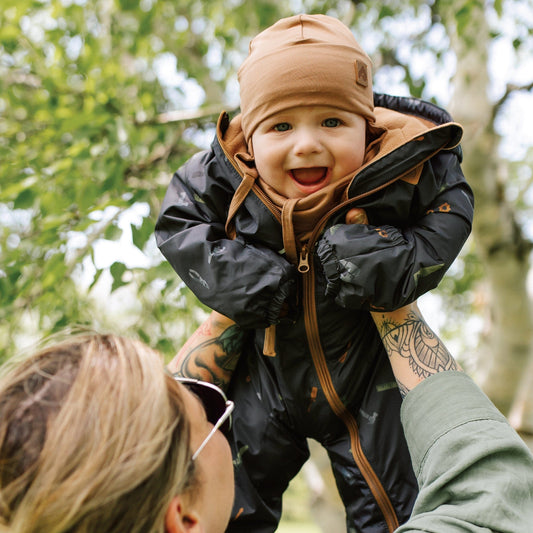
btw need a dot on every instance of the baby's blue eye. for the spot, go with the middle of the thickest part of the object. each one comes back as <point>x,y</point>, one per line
<point>282,126</point>
<point>331,122</point>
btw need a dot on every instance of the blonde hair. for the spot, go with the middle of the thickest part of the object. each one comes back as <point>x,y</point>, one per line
<point>93,437</point>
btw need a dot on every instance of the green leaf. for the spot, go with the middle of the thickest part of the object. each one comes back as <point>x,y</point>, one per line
<point>143,233</point>
<point>385,11</point>
<point>25,199</point>
<point>462,17</point>
<point>112,233</point>
<point>117,272</point>
<point>95,278</point>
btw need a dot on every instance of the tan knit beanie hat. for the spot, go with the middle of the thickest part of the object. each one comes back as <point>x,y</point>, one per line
<point>304,60</point>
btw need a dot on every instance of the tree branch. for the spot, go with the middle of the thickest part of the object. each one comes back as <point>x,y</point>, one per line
<point>510,89</point>
<point>191,114</point>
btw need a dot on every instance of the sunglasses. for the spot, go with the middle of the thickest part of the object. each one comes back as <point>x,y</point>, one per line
<point>217,407</point>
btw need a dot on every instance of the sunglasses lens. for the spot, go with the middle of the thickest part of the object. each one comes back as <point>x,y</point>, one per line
<point>213,402</point>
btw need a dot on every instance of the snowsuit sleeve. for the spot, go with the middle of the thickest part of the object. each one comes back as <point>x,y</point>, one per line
<point>475,474</point>
<point>391,262</point>
<point>247,283</point>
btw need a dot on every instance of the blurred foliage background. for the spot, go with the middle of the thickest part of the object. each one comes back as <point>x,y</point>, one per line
<point>101,100</point>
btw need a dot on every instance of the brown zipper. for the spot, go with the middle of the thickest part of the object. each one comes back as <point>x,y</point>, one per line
<point>319,361</point>
<point>305,267</point>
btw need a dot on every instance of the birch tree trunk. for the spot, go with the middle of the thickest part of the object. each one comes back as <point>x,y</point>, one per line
<point>505,350</point>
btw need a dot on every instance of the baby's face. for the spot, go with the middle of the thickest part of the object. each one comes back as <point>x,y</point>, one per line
<point>301,150</point>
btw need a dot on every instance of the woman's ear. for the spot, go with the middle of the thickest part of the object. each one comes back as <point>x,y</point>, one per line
<point>178,519</point>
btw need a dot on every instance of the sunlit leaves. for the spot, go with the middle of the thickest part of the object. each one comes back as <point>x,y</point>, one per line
<point>82,83</point>
<point>81,86</point>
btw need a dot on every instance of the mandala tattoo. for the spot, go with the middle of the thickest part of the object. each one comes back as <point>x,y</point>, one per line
<point>414,340</point>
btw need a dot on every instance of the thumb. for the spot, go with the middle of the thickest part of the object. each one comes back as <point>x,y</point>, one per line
<point>356,216</point>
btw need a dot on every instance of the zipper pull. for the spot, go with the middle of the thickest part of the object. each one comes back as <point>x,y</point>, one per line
<point>303,264</point>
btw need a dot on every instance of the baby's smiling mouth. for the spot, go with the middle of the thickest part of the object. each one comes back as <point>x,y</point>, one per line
<point>310,175</point>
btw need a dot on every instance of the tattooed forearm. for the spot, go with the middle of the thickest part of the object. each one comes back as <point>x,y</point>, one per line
<point>415,341</point>
<point>216,358</point>
<point>414,350</point>
<point>212,352</point>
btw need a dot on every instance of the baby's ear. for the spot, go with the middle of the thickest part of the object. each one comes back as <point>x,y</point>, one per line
<point>180,520</point>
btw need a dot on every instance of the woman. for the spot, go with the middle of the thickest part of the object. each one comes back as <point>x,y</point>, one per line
<point>95,436</point>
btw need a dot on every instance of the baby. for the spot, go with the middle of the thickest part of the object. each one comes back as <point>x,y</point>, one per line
<point>319,202</point>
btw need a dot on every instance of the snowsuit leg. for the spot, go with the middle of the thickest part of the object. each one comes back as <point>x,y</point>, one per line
<point>270,434</point>
<point>267,453</point>
<point>383,443</point>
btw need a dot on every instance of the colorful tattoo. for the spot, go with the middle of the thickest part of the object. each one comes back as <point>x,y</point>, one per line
<point>214,359</point>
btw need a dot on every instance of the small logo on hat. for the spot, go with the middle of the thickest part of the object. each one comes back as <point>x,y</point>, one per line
<point>361,73</point>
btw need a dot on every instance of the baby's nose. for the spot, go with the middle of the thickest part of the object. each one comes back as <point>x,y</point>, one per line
<point>306,141</point>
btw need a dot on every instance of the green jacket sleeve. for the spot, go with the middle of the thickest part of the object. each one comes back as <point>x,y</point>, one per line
<point>475,473</point>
